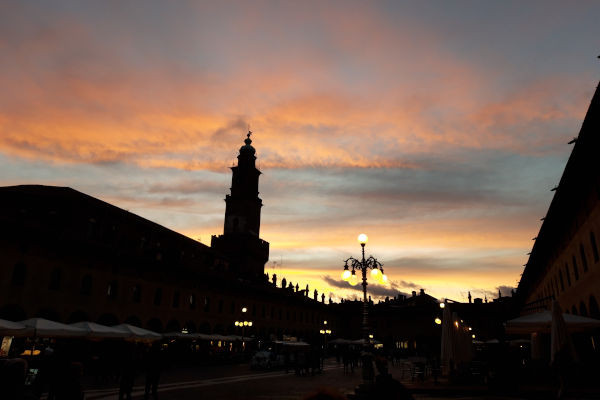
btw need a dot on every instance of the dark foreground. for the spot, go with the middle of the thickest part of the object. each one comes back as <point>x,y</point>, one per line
<point>240,382</point>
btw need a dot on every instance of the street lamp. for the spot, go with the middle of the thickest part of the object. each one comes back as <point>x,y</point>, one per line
<point>243,324</point>
<point>351,265</point>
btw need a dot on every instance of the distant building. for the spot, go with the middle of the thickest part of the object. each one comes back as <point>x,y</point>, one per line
<point>68,257</point>
<point>565,262</point>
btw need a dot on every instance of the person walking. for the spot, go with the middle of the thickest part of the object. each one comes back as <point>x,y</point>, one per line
<point>153,363</point>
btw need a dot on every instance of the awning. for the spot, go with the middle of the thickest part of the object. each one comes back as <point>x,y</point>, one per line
<point>9,328</point>
<point>46,328</point>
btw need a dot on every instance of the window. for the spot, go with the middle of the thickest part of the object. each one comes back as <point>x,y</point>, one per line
<point>207,304</point>
<point>136,294</point>
<point>594,246</point>
<point>583,258</point>
<point>111,289</point>
<point>55,276</point>
<point>158,296</point>
<point>86,285</point>
<point>19,272</point>
<point>575,269</point>
<point>583,309</point>
<point>568,274</point>
<point>175,299</point>
<point>192,301</point>
<point>562,283</point>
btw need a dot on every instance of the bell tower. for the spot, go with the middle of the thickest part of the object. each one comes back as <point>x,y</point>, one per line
<point>240,241</point>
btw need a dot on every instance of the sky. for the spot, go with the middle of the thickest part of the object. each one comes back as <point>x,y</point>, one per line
<point>437,128</point>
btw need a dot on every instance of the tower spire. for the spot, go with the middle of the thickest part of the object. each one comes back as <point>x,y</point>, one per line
<point>241,227</point>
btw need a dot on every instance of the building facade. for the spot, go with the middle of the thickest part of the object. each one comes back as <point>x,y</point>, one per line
<point>564,263</point>
<point>69,257</point>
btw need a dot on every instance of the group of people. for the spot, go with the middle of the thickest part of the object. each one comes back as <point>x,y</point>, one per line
<point>305,361</point>
<point>58,370</point>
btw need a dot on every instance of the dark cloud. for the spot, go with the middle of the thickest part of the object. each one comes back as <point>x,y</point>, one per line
<point>188,186</point>
<point>505,290</point>
<point>374,290</point>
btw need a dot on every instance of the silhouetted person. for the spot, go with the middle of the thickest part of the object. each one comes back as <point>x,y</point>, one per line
<point>12,378</point>
<point>153,365</point>
<point>127,372</point>
<point>325,394</point>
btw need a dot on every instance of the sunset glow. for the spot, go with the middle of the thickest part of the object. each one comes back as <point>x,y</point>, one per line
<point>438,129</point>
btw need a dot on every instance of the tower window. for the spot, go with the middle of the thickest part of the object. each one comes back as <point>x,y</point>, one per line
<point>207,304</point>
<point>575,269</point>
<point>567,274</point>
<point>192,300</point>
<point>594,246</point>
<point>19,272</point>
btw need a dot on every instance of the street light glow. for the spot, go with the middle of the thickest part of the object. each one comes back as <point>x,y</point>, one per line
<point>362,238</point>
<point>346,274</point>
<point>244,309</point>
<point>375,273</point>
<point>438,321</point>
<point>353,279</point>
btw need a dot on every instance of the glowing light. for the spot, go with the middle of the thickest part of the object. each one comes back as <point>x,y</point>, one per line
<point>353,279</point>
<point>442,305</point>
<point>375,273</point>
<point>438,321</point>
<point>250,323</point>
<point>346,274</point>
<point>384,279</point>
<point>456,323</point>
<point>362,238</point>
<point>237,323</point>
<point>370,336</point>
<point>245,323</point>
<point>244,309</point>
<point>473,336</point>
<point>324,322</point>
<point>470,328</point>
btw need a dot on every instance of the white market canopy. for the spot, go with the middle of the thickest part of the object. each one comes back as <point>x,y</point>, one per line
<point>45,328</point>
<point>134,332</point>
<point>9,328</point>
<point>94,330</point>
<point>205,336</point>
<point>542,321</point>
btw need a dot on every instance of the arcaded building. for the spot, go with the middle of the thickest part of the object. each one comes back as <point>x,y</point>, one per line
<point>68,257</point>
<point>565,261</point>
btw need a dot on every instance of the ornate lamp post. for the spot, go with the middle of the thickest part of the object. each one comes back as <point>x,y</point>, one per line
<point>243,324</point>
<point>363,266</point>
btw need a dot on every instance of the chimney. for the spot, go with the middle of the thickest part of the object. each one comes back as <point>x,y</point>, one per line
<point>422,292</point>
<point>414,294</point>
